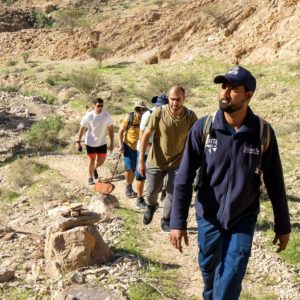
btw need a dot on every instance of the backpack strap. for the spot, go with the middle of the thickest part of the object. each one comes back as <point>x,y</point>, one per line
<point>206,132</point>
<point>264,137</point>
<point>130,120</point>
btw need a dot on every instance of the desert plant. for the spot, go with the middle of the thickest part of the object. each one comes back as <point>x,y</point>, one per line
<point>86,81</point>
<point>25,56</point>
<point>99,53</point>
<point>23,170</point>
<point>43,135</point>
<point>42,20</point>
<point>70,18</point>
<point>10,88</point>
<point>11,63</point>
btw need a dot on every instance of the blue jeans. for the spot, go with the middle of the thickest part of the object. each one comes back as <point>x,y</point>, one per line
<point>223,257</point>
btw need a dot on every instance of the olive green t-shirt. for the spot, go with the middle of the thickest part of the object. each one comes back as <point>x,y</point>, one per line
<point>169,137</point>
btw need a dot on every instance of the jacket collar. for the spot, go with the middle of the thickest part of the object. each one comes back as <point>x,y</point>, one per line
<point>249,125</point>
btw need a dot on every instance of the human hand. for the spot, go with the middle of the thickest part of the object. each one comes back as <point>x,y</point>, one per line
<point>176,236</point>
<point>121,149</point>
<point>141,168</point>
<point>79,147</point>
<point>281,240</point>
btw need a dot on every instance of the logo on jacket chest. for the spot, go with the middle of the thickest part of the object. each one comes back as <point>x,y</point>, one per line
<point>211,145</point>
<point>251,150</point>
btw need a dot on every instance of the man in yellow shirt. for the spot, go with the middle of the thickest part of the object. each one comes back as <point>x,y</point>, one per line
<point>128,138</point>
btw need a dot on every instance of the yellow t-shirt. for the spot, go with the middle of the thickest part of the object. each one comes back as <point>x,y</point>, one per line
<point>131,135</point>
<point>169,137</point>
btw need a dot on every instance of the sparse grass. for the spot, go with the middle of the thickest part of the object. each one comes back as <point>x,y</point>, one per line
<point>23,171</point>
<point>11,63</point>
<point>10,88</point>
<point>8,196</point>
<point>45,95</point>
<point>43,135</point>
<point>250,296</point>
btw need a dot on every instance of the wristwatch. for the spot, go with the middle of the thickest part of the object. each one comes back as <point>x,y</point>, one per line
<point>78,142</point>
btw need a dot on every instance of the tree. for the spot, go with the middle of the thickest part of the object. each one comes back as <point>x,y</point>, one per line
<point>99,53</point>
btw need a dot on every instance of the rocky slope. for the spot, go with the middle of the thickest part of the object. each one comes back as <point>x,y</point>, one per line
<point>251,32</point>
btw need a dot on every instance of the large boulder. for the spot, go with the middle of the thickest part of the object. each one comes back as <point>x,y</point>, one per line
<point>78,247</point>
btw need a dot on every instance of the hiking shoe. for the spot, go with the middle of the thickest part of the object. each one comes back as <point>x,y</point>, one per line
<point>140,203</point>
<point>148,216</point>
<point>130,193</point>
<point>96,174</point>
<point>165,225</point>
<point>91,181</point>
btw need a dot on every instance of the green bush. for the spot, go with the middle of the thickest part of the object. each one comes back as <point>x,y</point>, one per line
<point>45,96</point>
<point>25,56</point>
<point>86,81</point>
<point>99,53</point>
<point>42,20</point>
<point>22,172</point>
<point>11,88</point>
<point>43,135</point>
<point>11,63</point>
<point>70,18</point>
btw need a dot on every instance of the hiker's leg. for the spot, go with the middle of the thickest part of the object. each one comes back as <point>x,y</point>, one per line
<point>140,180</point>
<point>91,165</point>
<point>169,194</point>
<point>101,155</point>
<point>209,256</point>
<point>235,255</point>
<point>129,163</point>
<point>155,177</point>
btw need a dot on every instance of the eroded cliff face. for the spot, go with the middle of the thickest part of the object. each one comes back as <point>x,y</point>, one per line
<point>250,32</point>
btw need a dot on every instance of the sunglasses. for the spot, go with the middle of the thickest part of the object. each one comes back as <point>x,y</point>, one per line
<point>99,105</point>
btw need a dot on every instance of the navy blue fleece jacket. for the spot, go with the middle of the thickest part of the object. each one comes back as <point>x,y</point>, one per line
<point>231,188</point>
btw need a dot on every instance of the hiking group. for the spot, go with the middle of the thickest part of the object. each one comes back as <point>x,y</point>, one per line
<point>229,153</point>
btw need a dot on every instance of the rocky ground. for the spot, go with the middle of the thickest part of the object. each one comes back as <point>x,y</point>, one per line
<point>24,235</point>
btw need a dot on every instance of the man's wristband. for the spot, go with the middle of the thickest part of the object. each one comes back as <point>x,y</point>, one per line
<point>78,142</point>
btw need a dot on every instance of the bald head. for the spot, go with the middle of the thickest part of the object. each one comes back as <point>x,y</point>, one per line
<point>177,89</point>
<point>176,99</point>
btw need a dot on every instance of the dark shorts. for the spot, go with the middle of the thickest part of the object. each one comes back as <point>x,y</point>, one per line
<point>130,158</point>
<point>100,151</point>
<point>138,176</point>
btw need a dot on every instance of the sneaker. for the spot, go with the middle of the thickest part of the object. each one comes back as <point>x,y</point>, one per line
<point>140,203</point>
<point>91,181</point>
<point>148,216</point>
<point>130,193</point>
<point>96,174</point>
<point>165,225</point>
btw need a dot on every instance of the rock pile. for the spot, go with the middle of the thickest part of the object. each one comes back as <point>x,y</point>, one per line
<point>73,241</point>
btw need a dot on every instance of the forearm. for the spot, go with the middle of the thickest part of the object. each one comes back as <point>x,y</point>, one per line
<point>111,134</point>
<point>144,143</point>
<point>80,133</point>
<point>121,137</point>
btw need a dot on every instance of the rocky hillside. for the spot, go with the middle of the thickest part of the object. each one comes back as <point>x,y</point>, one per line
<point>250,32</point>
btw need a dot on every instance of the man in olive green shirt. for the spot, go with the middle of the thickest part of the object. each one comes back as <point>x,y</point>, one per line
<point>170,125</point>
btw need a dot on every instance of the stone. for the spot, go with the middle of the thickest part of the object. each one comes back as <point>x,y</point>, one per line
<point>74,213</point>
<point>86,292</point>
<point>103,204</point>
<point>61,223</point>
<point>152,60</point>
<point>75,206</point>
<point>6,275</point>
<point>76,248</point>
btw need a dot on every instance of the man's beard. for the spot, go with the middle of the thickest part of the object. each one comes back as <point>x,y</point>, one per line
<point>226,106</point>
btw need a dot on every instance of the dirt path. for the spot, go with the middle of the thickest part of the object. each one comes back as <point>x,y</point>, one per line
<point>263,264</point>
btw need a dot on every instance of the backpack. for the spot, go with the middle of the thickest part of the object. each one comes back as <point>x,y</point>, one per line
<point>264,136</point>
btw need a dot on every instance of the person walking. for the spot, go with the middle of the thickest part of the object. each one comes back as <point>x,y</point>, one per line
<point>170,126</point>
<point>227,202</point>
<point>95,123</point>
<point>128,138</point>
<point>157,101</point>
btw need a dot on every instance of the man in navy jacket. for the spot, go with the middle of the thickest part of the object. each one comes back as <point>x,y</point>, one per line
<point>227,203</point>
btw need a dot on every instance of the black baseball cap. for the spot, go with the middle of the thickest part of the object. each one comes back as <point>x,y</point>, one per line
<point>238,76</point>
